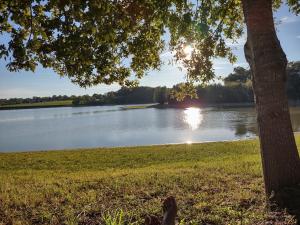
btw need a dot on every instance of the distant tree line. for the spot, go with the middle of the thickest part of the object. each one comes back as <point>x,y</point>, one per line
<point>236,89</point>
<point>35,99</point>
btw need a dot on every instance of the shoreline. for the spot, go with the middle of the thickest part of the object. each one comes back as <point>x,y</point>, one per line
<point>296,133</point>
<point>140,106</point>
<point>33,107</point>
<point>128,146</point>
<point>132,106</point>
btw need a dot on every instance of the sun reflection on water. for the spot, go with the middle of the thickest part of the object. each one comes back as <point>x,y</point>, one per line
<point>193,117</point>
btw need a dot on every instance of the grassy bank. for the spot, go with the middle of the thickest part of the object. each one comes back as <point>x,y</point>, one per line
<point>142,106</point>
<point>38,105</point>
<point>214,183</point>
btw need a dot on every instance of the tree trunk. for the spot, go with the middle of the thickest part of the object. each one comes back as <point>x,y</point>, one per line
<point>280,158</point>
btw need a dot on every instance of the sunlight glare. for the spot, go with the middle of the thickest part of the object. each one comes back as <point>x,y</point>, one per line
<point>188,49</point>
<point>193,117</point>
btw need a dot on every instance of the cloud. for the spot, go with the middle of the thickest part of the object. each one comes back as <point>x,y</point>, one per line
<point>288,19</point>
<point>219,67</point>
<point>242,64</point>
<point>221,62</point>
<point>298,36</point>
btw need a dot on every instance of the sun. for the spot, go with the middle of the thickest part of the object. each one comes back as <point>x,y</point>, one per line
<point>187,50</point>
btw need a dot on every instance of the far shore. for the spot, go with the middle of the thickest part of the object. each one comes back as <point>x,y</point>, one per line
<point>56,104</point>
<point>125,107</point>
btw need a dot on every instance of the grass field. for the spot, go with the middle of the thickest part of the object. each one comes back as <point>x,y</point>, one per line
<point>38,105</point>
<point>213,183</point>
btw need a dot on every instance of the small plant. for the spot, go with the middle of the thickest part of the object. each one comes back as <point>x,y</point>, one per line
<point>182,222</point>
<point>116,218</point>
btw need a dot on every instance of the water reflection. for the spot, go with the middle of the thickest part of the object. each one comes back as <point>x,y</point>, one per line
<point>76,127</point>
<point>193,117</point>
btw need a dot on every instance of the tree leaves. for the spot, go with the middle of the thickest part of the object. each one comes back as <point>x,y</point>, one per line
<point>294,6</point>
<point>105,41</point>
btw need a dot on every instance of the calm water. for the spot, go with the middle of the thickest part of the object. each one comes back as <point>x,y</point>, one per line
<point>60,128</point>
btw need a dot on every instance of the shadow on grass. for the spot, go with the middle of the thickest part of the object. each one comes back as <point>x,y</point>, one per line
<point>288,199</point>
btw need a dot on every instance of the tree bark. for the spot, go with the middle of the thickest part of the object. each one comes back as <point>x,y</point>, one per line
<point>280,158</point>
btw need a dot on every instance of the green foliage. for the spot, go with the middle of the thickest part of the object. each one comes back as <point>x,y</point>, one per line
<point>37,104</point>
<point>182,91</point>
<point>160,95</point>
<point>116,219</point>
<point>55,99</point>
<point>88,41</point>
<point>94,42</point>
<point>237,88</point>
<point>225,94</point>
<point>294,6</point>
<point>137,95</point>
<point>239,76</point>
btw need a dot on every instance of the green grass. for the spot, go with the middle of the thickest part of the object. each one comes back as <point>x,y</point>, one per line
<point>213,183</point>
<point>137,106</point>
<point>39,104</point>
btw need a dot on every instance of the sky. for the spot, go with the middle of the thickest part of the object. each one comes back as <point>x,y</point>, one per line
<point>45,82</point>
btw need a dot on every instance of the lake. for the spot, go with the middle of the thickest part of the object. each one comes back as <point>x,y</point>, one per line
<point>102,126</point>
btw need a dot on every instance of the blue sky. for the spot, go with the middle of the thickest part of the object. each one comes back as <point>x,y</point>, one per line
<point>45,82</point>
